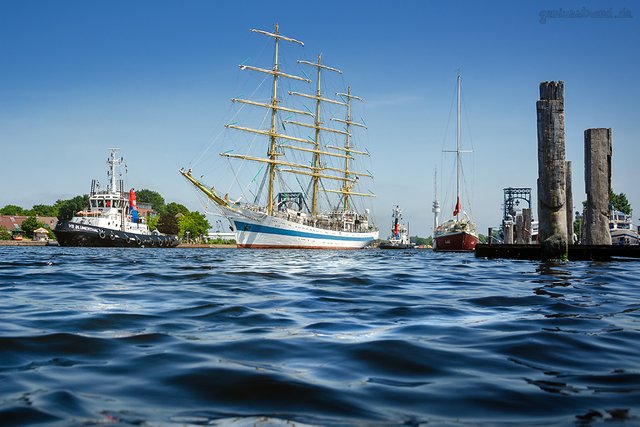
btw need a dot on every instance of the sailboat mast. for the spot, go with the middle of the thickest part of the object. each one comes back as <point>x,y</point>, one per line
<point>272,146</point>
<point>316,155</point>
<point>458,152</point>
<point>436,205</point>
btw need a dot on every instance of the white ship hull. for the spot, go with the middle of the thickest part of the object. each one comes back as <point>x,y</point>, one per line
<point>622,230</point>
<point>624,237</point>
<point>258,230</point>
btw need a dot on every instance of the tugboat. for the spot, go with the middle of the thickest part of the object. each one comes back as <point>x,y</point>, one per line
<point>399,238</point>
<point>111,219</point>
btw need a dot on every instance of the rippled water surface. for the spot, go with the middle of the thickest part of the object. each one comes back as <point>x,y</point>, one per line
<point>371,337</point>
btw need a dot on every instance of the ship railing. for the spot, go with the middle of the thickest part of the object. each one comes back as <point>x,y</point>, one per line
<point>88,213</point>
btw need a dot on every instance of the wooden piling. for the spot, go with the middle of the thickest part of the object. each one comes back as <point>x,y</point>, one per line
<point>526,220</point>
<point>597,177</point>
<point>552,230</point>
<point>519,229</point>
<point>507,228</point>
<point>569,209</point>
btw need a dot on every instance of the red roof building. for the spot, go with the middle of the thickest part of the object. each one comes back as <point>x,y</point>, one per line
<point>14,222</point>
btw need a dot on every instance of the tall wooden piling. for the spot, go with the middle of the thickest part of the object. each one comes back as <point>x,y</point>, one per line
<point>569,192</point>
<point>552,217</point>
<point>519,229</point>
<point>507,229</point>
<point>526,225</point>
<point>597,177</point>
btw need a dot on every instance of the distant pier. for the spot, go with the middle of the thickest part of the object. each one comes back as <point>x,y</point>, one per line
<point>555,195</point>
<point>575,252</point>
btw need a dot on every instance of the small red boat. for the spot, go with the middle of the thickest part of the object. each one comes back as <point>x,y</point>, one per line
<point>452,236</point>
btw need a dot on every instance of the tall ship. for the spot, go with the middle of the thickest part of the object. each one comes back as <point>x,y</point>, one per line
<point>111,219</point>
<point>459,233</point>
<point>298,173</point>
<point>399,238</point>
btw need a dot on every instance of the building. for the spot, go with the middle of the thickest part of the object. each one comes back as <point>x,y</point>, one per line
<point>12,223</point>
<point>41,234</point>
<point>213,235</point>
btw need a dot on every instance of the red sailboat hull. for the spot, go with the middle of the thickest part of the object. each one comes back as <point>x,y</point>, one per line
<point>459,241</point>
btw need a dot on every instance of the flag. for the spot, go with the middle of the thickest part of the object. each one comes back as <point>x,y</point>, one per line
<point>458,208</point>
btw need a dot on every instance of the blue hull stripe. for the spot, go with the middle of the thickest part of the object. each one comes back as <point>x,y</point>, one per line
<point>254,228</point>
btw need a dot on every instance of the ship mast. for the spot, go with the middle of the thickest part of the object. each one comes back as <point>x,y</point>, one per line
<point>317,165</point>
<point>346,188</point>
<point>272,146</point>
<point>348,177</point>
<point>458,151</point>
<point>113,162</point>
<point>272,153</point>
<point>273,134</point>
<point>349,182</point>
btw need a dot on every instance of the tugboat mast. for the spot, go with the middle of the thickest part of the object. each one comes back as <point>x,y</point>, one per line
<point>113,162</point>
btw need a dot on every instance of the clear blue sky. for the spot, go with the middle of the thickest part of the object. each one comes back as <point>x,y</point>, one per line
<point>155,77</point>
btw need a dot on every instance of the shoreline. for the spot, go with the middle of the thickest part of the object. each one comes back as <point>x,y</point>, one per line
<point>24,243</point>
<point>54,243</point>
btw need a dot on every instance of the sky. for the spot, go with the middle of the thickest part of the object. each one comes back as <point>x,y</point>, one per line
<point>154,78</point>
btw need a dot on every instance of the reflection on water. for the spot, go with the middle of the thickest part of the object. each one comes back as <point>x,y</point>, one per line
<point>246,337</point>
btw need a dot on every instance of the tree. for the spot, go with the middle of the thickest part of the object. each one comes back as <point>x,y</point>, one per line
<point>44,210</point>
<point>168,223</point>
<point>176,208</point>
<point>12,210</point>
<point>68,208</point>
<point>29,225</point>
<point>194,223</point>
<point>152,222</point>
<point>619,202</point>
<point>578,222</point>
<point>152,197</point>
<point>422,241</point>
<point>4,234</point>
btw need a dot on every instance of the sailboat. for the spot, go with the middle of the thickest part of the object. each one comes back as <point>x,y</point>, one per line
<point>459,233</point>
<point>293,219</point>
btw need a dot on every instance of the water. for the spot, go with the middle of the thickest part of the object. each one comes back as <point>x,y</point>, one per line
<point>244,337</point>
